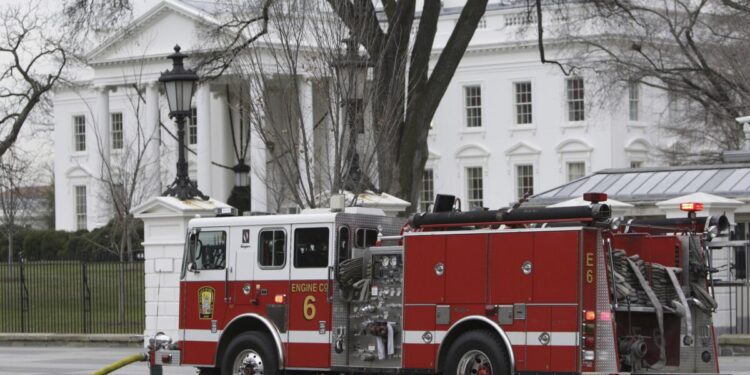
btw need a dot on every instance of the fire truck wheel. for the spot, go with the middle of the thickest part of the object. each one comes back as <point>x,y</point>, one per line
<point>476,353</point>
<point>250,353</point>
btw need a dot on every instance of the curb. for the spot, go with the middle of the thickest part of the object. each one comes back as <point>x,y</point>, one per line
<point>734,345</point>
<point>77,340</point>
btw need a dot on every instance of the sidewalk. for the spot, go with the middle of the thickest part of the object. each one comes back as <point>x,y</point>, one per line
<point>75,340</point>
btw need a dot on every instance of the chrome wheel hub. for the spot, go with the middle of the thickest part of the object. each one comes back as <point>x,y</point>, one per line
<point>248,362</point>
<point>474,362</point>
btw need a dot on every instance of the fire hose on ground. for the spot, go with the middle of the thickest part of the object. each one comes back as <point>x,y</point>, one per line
<point>140,357</point>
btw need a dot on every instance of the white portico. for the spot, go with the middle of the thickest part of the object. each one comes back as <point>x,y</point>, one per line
<point>113,126</point>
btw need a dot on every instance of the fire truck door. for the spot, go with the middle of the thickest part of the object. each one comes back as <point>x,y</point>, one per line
<point>205,288</point>
<point>244,253</point>
<point>309,342</point>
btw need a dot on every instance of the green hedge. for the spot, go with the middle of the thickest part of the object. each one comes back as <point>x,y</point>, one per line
<point>35,245</point>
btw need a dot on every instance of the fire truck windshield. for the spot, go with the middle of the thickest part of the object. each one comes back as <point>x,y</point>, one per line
<point>208,250</point>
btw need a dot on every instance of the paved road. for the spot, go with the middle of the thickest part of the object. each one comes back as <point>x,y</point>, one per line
<point>72,361</point>
<point>75,361</point>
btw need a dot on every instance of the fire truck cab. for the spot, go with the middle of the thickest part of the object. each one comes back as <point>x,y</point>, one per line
<point>563,290</point>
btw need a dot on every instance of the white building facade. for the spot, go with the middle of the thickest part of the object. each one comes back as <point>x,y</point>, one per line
<point>507,124</point>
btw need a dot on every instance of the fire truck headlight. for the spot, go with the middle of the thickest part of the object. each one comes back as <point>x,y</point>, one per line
<point>160,341</point>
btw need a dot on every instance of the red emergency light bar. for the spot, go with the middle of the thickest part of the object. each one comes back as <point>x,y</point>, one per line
<point>691,206</point>
<point>595,197</point>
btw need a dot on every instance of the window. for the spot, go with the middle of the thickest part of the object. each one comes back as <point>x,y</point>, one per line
<point>428,190</point>
<point>740,252</point>
<point>271,248</point>
<point>79,133</point>
<point>208,250</point>
<point>575,99</point>
<point>364,238</point>
<point>482,23</point>
<point>311,247</point>
<point>634,99</point>
<point>344,248</point>
<point>116,123</point>
<point>524,180</point>
<point>576,170</point>
<point>475,187</point>
<point>523,102</point>
<point>636,164</point>
<point>473,95</point>
<point>193,127</point>
<point>80,207</point>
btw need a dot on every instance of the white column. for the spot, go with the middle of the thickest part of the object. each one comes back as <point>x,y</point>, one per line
<point>100,194</point>
<point>222,179</point>
<point>258,152</point>
<point>203,101</point>
<point>103,125</point>
<point>153,134</point>
<point>306,166</point>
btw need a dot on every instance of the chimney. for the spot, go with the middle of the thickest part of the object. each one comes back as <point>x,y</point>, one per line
<point>742,155</point>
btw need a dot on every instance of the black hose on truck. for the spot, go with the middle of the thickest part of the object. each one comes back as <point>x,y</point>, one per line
<point>595,212</point>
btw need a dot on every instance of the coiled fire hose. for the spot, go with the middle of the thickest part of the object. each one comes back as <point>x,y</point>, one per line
<point>140,357</point>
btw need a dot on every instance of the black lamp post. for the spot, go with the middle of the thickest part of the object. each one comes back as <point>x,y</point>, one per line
<point>179,84</point>
<point>241,192</point>
<point>351,67</point>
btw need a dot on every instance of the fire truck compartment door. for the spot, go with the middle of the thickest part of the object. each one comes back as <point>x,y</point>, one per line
<point>511,284</point>
<point>424,279</point>
<point>309,334</point>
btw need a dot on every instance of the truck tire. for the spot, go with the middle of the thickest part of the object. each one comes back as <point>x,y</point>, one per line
<point>477,352</point>
<point>250,350</point>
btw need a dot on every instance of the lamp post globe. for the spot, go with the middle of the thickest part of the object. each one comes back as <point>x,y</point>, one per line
<point>179,85</point>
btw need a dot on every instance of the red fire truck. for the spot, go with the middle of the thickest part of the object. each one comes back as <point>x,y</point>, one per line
<point>563,290</point>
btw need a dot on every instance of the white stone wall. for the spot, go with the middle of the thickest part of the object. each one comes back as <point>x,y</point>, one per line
<point>163,249</point>
<point>165,222</point>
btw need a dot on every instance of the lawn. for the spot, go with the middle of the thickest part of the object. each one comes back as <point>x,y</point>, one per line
<point>60,302</point>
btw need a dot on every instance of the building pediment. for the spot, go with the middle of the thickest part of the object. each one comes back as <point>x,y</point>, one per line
<point>77,171</point>
<point>638,145</point>
<point>573,145</point>
<point>522,149</point>
<point>154,34</point>
<point>472,151</point>
<point>432,155</point>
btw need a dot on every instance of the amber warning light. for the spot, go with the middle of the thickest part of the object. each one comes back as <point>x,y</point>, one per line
<point>691,207</point>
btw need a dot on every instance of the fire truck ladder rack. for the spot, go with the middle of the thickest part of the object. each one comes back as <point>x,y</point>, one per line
<point>511,216</point>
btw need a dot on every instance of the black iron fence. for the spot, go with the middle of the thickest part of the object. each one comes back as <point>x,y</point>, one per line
<point>739,305</point>
<point>72,297</point>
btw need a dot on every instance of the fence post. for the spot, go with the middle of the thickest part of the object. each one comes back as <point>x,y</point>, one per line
<point>24,297</point>
<point>86,300</point>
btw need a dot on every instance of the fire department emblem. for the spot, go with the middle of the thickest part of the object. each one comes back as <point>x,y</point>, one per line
<point>206,302</point>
